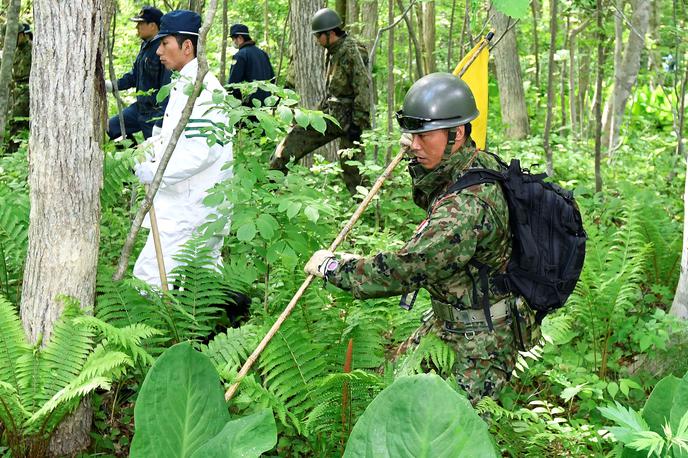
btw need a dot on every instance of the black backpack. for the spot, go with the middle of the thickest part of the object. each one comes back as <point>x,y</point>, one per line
<point>548,239</point>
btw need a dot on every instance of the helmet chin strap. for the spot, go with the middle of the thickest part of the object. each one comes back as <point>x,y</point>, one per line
<point>451,139</point>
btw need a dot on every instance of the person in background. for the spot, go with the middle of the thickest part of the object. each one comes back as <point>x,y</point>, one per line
<point>250,64</point>
<point>147,76</point>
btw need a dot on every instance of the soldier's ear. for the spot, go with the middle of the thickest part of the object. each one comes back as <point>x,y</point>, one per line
<point>460,133</point>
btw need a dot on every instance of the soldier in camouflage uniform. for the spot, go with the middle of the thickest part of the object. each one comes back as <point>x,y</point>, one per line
<point>19,89</point>
<point>472,224</point>
<point>347,99</point>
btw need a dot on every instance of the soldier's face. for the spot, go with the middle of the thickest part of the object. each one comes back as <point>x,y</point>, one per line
<point>428,147</point>
<point>146,30</point>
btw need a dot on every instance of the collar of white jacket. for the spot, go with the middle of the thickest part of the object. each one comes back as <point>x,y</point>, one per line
<point>190,69</point>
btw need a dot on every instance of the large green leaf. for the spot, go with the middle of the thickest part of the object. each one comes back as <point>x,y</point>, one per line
<point>420,416</point>
<point>244,437</point>
<point>180,406</point>
<point>667,403</point>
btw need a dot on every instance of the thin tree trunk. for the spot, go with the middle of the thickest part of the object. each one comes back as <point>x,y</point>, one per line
<point>573,97</point>
<point>536,42</point>
<point>65,174</point>
<point>390,76</point>
<point>428,10</point>
<point>679,307</point>
<point>370,24</point>
<point>412,36</point>
<point>9,47</point>
<point>266,24</point>
<point>450,45</point>
<point>511,95</point>
<point>598,97</point>
<point>626,73</point>
<point>223,51</point>
<point>340,8</point>
<point>465,28</point>
<point>352,11</point>
<point>550,86</point>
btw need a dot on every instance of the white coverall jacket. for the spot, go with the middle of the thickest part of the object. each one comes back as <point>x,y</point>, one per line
<point>193,168</point>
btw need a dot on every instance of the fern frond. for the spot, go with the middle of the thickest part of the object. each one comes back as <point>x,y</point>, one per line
<point>289,365</point>
<point>64,355</point>
<point>252,392</point>
<point>129,338</point>
<point>14,237</point>
<point>116,171</point>
<point>366,327</point>
<point>230,349</point>
<point>13,343</point>
<point>432,352</point>
<point>12,411</point>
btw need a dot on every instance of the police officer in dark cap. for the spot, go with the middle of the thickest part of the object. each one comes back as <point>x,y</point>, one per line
<point>146,74</point>
<point>250,64</point>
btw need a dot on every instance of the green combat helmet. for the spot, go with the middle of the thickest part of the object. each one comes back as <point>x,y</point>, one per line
<point>325,19</point>
<point>437,101</point>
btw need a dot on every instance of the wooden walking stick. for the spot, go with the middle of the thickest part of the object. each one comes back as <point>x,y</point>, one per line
<point>306,283</point>
<point>158,247</point>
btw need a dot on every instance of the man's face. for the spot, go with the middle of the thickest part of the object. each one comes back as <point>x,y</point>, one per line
<point>171,55</point>
<point>322,38</point>
<point>146,30</point>
<point>428,147</point>
<point>236,41</point>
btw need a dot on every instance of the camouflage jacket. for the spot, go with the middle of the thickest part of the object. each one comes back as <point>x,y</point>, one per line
<point>348,85</point>
<point>471,224</point>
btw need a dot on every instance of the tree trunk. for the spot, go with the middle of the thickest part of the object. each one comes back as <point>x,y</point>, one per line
<point>352,11</point>
<point>679,307</point>
<point>550,86</point>
<point>309,63</point>
<point>536,43</point>
<point>511,96</point>
<point>370,24</point>
<point>65,173</point>
<point>391,108</point>
<point>266,25</point>
<point>223,51</point>
<point>340,8</point>
<point>450,44</point>
<point>412,37</point>
<point>428,10</point>
<point>626,73</point>
<point>10,45</point>
<point>598,99</point>
<point>465,30</point>
<point>573,97</point>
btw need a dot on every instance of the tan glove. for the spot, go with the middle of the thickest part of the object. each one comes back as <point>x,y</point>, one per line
<point>405,142</point>
<point>346,257</point>
<point>319,263</point>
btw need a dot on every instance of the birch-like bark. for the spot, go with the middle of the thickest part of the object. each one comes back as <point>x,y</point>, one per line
<point>550,86</point>
<point>626,74</point>
<point>429,33</point>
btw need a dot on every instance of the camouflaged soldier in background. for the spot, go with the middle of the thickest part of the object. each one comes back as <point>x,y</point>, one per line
<point>472,224</point>
<point>347,98</point>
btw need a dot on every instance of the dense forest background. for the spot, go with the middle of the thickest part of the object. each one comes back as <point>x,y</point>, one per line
<point>593,92</point>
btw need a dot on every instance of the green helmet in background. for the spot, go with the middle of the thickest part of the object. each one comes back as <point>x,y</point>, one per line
<point>437,101</point>
<point>325,19</point>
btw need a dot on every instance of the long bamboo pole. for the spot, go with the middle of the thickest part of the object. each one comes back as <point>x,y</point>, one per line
<point>306,283</point>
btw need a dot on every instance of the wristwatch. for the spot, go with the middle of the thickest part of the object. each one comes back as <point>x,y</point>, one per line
<point>329,266</point>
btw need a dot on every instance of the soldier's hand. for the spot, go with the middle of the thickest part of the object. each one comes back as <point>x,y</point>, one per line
<point>108,86</point>
<point>320,263</point>
<point>346,257</point>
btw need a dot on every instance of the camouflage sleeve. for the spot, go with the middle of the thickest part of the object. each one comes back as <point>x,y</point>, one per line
<point>438,249</point>
<point>362,90</point>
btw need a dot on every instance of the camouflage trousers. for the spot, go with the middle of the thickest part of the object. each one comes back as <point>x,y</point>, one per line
<point>299,142</point>
<point>484,360</point>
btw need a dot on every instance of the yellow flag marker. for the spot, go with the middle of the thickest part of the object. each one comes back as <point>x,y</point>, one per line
<point>474,69</point>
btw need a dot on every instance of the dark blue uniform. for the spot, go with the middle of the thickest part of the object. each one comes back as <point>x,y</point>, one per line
<point>252,64</point>
<point>146,74</point>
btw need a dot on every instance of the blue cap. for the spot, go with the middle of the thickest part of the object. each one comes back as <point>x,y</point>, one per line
<point>179,21</point>
<point>238,29</point>
<point>148,14</point>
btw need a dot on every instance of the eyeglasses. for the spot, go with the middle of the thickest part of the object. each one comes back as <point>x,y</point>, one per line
<point>410,122</point>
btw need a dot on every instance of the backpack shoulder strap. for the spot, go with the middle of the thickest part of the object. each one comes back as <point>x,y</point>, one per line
<point>473,177</point>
